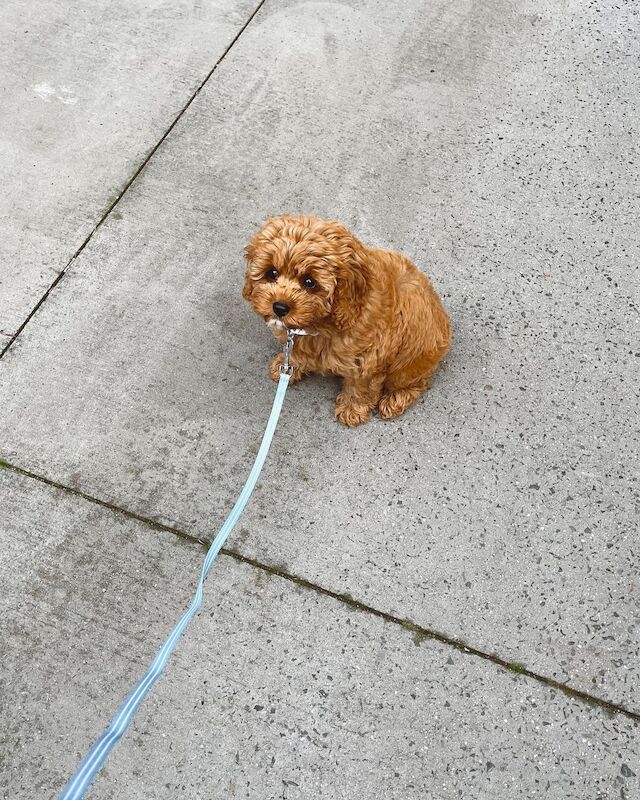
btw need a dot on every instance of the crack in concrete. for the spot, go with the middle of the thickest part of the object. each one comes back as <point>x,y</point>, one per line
<point>127,185</point>
<point>419,631</point>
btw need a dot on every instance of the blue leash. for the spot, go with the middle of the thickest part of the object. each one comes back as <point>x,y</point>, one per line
<point>95,758</point>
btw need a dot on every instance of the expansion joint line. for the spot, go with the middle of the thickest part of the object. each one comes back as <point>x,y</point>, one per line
<point>420,632</point>
<point>128,183</point>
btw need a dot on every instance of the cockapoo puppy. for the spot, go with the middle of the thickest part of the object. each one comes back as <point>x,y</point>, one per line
<point>377,321</point>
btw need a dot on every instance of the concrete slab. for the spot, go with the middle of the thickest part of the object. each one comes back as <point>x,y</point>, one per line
<point>88,88</point>
<point>275,691</point>
<point>502,510</point>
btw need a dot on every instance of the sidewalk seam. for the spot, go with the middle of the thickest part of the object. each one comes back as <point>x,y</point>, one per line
<point>420,632</point>
<point>128,184</point>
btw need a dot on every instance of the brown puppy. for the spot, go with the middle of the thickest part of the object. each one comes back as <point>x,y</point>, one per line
<point>378,322</point>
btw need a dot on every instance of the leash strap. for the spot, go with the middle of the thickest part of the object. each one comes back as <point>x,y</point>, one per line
<point>95,758</point>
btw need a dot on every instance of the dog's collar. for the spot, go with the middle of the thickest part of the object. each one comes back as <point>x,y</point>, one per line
<point>300,332</point>
<point>280,326</point>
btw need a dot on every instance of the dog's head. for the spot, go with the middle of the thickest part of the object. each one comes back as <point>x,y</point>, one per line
<point>304,272</point>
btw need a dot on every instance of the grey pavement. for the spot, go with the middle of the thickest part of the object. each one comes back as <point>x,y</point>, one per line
<point>88,89</point>
<point>276,691</point>
<point>494,144</point>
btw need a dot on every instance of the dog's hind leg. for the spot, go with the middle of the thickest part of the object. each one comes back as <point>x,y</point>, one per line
<point>404,386</point>
<point>357,399</point>
<point>394,403</point>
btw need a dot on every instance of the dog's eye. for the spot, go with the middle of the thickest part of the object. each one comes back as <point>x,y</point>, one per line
<point>308,282</point>
<point>271,274</point>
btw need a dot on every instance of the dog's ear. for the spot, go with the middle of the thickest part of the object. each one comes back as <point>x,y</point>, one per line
<point>249,253</point>
<point>254,251</point>
<point>247,287</point>
<point>352,283</point>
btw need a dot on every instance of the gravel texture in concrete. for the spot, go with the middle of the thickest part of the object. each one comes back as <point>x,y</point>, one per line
<point>502,510</point>
<point>275,691</point>
<point>88,88</point>
<point>496,145</point>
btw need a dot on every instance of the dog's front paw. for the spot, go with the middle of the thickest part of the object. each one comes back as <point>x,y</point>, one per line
<point>351,414</point>
<point>274,370</point>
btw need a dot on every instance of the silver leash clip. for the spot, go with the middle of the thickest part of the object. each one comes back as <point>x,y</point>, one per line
<point>285,367</point>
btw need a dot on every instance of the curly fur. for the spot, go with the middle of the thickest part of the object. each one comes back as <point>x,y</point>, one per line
<point>380,325</point>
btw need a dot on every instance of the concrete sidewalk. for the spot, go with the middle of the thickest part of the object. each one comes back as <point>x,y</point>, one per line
<point>444,606</point>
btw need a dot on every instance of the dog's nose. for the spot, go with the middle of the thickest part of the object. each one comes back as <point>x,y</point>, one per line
<point>280,309</point>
